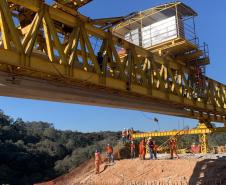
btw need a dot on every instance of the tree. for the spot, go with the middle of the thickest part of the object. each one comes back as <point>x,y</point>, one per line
<point>5,120</point>
<point>32,152</point>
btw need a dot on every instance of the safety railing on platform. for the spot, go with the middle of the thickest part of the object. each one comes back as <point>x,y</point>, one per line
<point>150,36</point>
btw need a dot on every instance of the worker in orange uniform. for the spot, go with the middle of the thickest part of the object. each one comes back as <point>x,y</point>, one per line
<point>142,149</point>
<point>132,150</point>
<point>98,161</point>
<point>109,153</point>
<point>173,148</point>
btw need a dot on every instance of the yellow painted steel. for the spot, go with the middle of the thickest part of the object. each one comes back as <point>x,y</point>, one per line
<point>56,45</point>
<point>179,132</point>
<point>203,140</point>
<point>202,130</point>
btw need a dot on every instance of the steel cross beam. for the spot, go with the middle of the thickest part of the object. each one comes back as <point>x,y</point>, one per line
<point>55,47</point>
<point>202,130</point>
<point>196,131</point>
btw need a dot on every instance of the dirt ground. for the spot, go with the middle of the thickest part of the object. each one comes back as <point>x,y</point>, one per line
<point>189,169</point>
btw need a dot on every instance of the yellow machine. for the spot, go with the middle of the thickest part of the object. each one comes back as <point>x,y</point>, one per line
<point>202,130</point>
<point>149,60</point>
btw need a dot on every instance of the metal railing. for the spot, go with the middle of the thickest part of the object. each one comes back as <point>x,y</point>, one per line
<point>147,37</point>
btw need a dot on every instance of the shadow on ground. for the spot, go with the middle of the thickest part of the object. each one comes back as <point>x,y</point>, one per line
<point>209,171</point>
<point>106,166</point>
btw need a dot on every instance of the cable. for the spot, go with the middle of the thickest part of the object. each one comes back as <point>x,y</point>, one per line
<point>152,119</point>
<point>147,117</point>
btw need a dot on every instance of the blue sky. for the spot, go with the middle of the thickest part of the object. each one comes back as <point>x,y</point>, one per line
<point>211,28</point>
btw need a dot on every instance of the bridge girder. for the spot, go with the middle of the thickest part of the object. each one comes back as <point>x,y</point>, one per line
<point>56,46</point>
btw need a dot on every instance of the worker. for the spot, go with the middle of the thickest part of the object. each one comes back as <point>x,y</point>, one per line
<point>139,150</point>
<point>124,136</point>
<point>127,134</point>
<point>100,59</point>
<point>142,149</point>
<point>173,148</point>
<point>98,161</point>
<point>109,153</point>
<point>132,150</point>
<point>150,147</point>
<point>155,148</point>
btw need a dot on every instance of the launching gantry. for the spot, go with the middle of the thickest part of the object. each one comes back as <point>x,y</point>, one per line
<point>203,130</point>
<point>149,60</point>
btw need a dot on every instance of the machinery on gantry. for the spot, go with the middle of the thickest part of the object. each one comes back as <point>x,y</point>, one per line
<point>202,130</point>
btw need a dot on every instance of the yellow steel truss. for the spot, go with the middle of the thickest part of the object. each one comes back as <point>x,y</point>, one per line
<point>42,49</point>
<point>202,130</point>
<point>180,132</point>
<point>203,140</point>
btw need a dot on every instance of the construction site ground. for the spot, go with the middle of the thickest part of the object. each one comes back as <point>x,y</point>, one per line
<point>189,169</point>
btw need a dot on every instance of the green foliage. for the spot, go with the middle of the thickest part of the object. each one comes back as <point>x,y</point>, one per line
<point>32,152</point>
<point>217,139</point>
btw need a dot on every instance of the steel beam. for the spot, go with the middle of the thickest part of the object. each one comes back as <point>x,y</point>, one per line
<point>41,65</point>
<point>72,61</point>
<point>180,132</point>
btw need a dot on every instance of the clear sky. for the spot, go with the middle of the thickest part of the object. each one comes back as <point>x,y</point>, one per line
<point>211,28</point>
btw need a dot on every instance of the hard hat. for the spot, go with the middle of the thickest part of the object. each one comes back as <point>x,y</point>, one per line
<point>149,138</point>
<point>108,144</point>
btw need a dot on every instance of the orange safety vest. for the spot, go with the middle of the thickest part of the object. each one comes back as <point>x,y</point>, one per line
<point>142,147</point>
<point>109,149</point>
<point>97,157</point>
<point>173,144</point>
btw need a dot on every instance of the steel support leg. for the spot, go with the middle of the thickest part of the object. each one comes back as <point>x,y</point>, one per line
<point>203,139</point>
